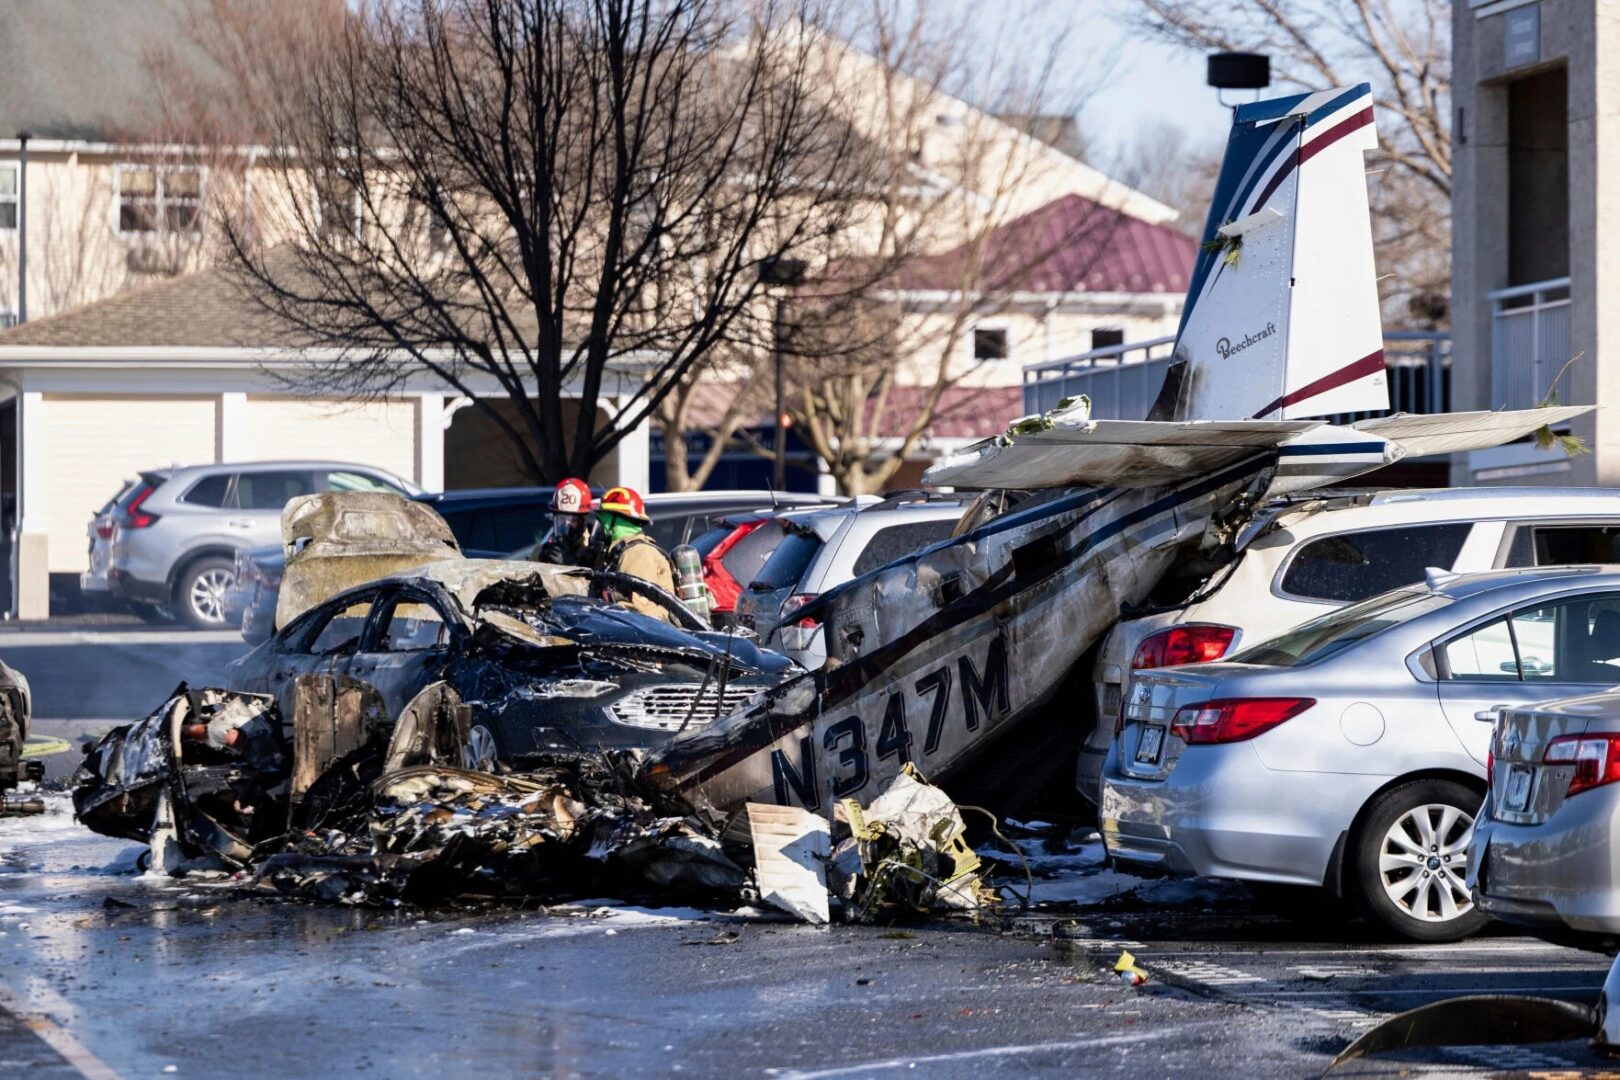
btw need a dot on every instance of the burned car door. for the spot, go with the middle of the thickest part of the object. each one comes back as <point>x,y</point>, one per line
<point>405,647</point>
<point>321,645</point>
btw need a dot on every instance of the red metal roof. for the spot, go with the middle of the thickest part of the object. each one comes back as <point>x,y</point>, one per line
<point>1072,244</point>
<point>965,412</point>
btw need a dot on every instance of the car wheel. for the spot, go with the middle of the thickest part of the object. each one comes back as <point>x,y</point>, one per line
<point>199,595</point>
<point>1411,861</point>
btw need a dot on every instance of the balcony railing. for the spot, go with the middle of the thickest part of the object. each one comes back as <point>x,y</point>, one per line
<point>1530,344</point>
<point>1123,380</point>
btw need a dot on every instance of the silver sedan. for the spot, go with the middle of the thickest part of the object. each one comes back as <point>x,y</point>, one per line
<point>1350,752</point>
<point>1543,853</point>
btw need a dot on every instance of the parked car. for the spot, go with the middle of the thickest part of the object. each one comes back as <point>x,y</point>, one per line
<point>489,629</point>
<point>1350,752</point>
<point>100,530</point>
<point>818,549</point>
<point>735,550</point>
<point>1543,852</point>
<point>176,534</point>
<point>1307,556</point>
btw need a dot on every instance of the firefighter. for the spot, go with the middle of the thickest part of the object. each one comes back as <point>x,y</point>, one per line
<point>574,538</point>
<point>631,551</point>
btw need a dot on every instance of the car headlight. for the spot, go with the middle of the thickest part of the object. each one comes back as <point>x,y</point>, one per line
<point>570,688</point>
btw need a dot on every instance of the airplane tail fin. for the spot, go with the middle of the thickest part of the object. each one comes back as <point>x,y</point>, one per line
<point>1282,318</point>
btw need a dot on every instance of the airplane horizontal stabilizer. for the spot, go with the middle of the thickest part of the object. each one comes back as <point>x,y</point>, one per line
<point>1111,453</point>
<point>1449,433</point>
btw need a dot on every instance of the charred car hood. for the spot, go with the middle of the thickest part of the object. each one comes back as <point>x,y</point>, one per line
<point>593,625</point>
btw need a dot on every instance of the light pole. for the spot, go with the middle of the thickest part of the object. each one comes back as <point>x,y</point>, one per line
<point>781,275</point>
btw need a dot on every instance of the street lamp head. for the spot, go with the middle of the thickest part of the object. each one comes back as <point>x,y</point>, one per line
<point>1239,71</point>
<point>782,271</point>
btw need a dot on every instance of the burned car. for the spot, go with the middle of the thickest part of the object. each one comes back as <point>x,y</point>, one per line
<point>542,663</point>
<point>15,706</point>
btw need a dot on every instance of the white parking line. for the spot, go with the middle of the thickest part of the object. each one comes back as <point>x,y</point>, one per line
<point>58,1038</point>
<point>985,1052</point>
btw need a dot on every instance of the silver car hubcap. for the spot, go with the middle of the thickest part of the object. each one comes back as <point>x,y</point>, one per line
<point>1424,862</point>
<point>208,594</point>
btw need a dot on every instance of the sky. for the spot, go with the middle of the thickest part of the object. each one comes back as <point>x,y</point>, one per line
<point>1132,80</point>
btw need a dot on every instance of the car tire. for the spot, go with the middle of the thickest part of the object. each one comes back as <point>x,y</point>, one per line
<point>1400,887</point>
<point>199,594</point>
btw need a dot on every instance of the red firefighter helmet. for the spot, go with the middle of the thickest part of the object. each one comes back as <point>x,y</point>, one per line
<point>573,496</point>
<point>625,502</point>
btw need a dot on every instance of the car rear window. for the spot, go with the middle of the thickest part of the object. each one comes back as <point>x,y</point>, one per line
<point>209,491</point>
<point>346,480</point>
<point>1354,566</point>
<point>794,551</point>
<point>897,541</point>
<point>1321,638</point>
<point>748,556</point>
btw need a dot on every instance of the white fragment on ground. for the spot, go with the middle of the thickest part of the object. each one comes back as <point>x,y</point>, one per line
<point>1077,873</point>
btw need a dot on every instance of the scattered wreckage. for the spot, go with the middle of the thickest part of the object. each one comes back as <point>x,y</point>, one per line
<point>347,804</point>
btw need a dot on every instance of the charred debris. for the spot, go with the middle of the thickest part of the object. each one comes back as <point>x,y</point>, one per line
<point>344,804</point>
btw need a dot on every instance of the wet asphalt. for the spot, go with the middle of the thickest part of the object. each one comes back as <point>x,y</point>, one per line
<point>105,972</point>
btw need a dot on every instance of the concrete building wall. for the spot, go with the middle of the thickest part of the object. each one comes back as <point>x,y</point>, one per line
<point>1493,46</point>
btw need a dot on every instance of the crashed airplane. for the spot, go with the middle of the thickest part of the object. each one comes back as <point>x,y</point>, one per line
<point>957,655</point>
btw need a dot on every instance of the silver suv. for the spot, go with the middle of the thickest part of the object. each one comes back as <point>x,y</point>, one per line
<point>824,548</point>
<point>176,532</point>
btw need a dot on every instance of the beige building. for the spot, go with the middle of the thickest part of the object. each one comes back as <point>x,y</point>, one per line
<point>1536,272</point>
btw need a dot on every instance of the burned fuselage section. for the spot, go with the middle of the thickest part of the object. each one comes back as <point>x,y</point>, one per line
<point>934,658</point>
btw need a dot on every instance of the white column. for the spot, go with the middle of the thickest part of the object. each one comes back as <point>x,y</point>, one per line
<point>431,421</point>
<point>33,582</point>
<point>634,469</point>
<point>231,427</point>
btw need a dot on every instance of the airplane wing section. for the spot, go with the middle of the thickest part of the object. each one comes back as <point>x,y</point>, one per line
<point>1110,453</point>
<point>1447,433</point>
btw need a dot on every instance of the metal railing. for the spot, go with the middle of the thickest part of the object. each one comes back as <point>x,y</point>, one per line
<point>1529,344</point>
<point>1123,380</point>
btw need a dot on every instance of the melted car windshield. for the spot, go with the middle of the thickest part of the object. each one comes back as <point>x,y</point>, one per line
<point>1321,638</point>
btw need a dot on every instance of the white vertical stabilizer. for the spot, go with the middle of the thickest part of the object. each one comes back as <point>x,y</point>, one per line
<point>1282,316</point>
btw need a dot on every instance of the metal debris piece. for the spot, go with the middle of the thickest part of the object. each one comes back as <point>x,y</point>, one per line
<point>1480,1019</point>
<point>913,855</point>
<point>791,849</point>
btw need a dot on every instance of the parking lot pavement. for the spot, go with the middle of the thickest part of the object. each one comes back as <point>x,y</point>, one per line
<point>255,988</point>
<point>117,674</point>
<point>1325,978</point>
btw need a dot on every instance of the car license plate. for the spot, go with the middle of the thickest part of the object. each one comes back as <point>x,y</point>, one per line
<point>1516,792</point>
<point>1148,747</point>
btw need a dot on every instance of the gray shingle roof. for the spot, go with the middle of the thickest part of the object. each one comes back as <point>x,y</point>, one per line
<point>205,309</point>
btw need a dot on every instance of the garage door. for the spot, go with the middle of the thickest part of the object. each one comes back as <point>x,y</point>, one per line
<point>93,444</point>
<point>381,434</point>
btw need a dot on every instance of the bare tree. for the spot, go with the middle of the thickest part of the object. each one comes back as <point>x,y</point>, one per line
<point>554,207</point>
<point>1404,50</point>
<point>955,219</point>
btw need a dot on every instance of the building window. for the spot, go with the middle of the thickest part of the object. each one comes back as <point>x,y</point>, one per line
<point>337,207</point>
<point>159,197</point>
<point>8,319</point>
<point>8,197</point>
<point>989,344</point>
<point>1107,339</point>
